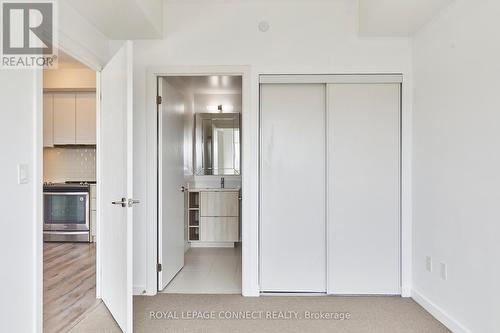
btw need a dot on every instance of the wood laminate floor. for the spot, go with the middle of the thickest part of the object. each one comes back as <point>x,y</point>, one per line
<point>68,284</point>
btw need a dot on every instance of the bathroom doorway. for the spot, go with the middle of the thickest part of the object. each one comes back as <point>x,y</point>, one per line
<point>199,184</point>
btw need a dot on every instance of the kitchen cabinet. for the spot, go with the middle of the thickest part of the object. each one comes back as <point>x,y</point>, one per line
<point>48,120</point>
<point>64,119</point>
<point>85,118</point>
<point>69,118</point>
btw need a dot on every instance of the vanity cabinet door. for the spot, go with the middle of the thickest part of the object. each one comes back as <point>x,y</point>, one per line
<point>219,229</point>
<point>219,204</point>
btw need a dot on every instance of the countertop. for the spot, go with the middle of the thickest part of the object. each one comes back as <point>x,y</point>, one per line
<point>215,189</point>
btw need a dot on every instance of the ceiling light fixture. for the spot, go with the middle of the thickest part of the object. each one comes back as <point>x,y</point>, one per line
<point>220,108</point>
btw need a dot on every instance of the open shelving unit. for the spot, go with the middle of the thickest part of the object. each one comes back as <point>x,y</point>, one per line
<point>194,216</point>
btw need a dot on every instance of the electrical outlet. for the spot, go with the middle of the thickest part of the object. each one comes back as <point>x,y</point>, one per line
<point>428,264</point>
<point>443,271</point>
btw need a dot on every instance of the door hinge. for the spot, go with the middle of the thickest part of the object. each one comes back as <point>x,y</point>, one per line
<point>158,267</point>
<point>158,100</point>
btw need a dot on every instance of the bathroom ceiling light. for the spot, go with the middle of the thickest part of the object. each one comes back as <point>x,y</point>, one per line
<point>220,108</point>
<point>214,81</point>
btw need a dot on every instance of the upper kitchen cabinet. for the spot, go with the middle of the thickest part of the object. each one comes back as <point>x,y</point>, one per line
<point>48,120</point>
<point>73,118</point>
<point>64,118</point>
<point>85,118</point>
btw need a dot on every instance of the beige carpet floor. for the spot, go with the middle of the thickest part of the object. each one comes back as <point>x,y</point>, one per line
<point>361,314</point>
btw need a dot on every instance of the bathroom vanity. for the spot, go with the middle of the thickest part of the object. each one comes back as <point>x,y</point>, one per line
<point>213,216</point>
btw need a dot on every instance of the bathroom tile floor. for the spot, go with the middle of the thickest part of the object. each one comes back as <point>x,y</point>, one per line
<point>209,271</point>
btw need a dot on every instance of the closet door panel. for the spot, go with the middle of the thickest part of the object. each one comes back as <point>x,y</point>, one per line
<point>293,246</point>
<point>363,188</point>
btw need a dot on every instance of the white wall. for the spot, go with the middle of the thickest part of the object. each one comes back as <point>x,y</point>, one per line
<point>457,164</point>
<point>18,203</point>
<point>317,36</point>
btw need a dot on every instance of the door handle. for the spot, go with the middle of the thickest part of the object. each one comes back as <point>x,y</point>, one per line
<point>126,203</point>
<point>122,203</point>
<point>132,202</point>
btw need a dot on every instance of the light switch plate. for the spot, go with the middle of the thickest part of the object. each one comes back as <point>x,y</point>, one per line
<point>428,264</point>
<point>22,173</point>
<point>443,271</point>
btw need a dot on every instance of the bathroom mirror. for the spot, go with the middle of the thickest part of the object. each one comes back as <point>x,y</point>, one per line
<point>217,144</point>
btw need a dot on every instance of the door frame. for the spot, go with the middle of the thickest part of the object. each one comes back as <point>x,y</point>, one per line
<point>250,139</point>
<point>87,58</point>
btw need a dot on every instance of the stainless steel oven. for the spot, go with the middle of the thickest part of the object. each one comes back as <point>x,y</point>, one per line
<point>66,211</point>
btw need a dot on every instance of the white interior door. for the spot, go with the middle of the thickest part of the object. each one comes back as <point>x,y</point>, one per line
<point>171,180</point>
<point>115,146</point>
<point>363,188</point>
<point>293,245</point>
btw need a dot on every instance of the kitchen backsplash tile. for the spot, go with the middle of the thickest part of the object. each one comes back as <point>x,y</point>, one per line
<point>73,164</point>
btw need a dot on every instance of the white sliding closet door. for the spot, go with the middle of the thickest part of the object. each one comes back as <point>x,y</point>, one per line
<point>293,221</point>
<point>363,188</point>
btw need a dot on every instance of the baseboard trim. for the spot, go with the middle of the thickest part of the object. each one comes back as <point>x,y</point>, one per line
<point>438,313</point>
<point>139,290</point>
<point>251,292</point>
<point>405,292</point>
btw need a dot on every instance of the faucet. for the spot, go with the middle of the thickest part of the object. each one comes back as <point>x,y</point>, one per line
<point>222,182</point>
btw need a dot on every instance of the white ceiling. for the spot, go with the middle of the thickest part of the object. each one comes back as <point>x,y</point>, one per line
<point>65,61</point>
<point>143,19</point>
<point>123,19</point>
<point>396,18</point>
